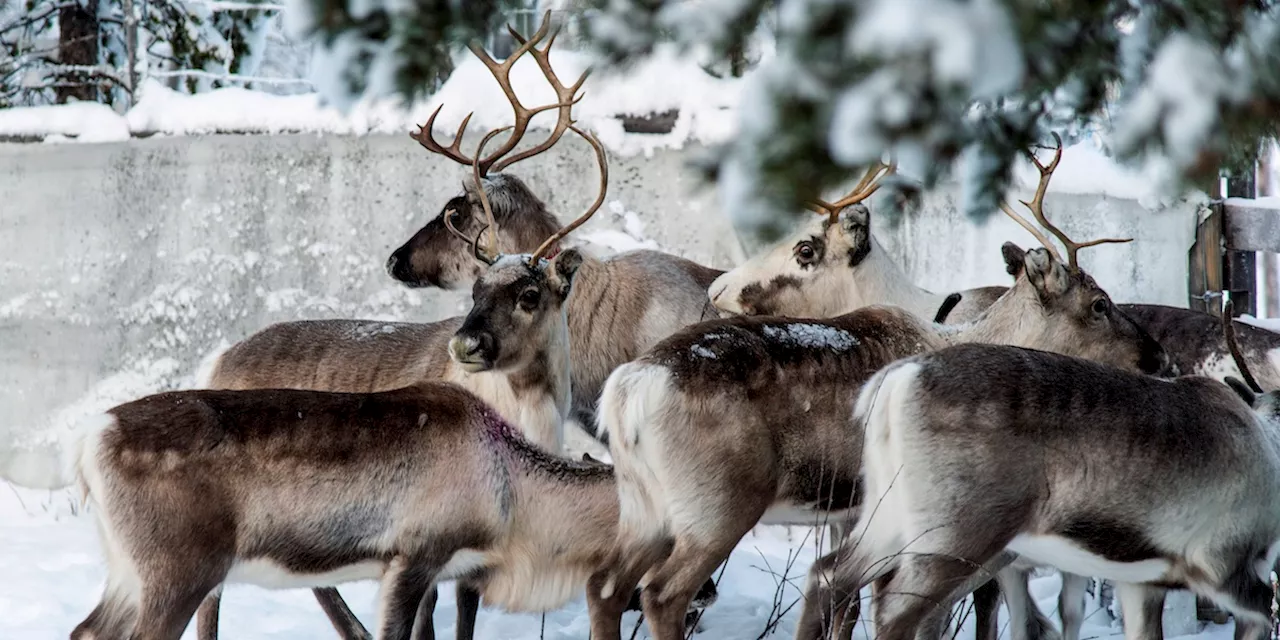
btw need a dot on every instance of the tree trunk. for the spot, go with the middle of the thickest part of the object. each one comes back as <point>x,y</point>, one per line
<point>78,45</point>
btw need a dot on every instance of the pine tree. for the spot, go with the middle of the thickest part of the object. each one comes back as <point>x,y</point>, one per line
<point>1186,86</point>
<point>59,50</point>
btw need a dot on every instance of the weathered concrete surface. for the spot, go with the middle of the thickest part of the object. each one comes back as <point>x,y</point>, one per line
<point>123,265</point>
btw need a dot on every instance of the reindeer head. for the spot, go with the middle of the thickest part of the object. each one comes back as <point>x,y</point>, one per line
<point>518,301</point>
<point>432,258</point>
<point>808,274</point>
<point>1054,307</point>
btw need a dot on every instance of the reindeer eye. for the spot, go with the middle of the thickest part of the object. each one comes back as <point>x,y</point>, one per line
<point>805,252</point>
<point>529,299</point>
<point>1100,306</point>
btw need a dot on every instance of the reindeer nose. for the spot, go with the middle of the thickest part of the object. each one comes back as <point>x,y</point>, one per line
<point>391,265</point>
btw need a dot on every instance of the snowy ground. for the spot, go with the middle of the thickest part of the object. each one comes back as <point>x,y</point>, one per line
<point>52,577</point>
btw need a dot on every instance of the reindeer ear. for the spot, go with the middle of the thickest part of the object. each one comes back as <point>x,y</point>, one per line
<point>1048,276</point>
<point>1013,257</point>
<point>563,267</point>
<point>854,217</point>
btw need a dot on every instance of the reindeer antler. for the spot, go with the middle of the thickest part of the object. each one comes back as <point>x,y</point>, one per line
<point>868,185</point>
<point>523,115</point>
<point>1229,332</point>
<point>595,206</point>
<point>1036,206</point>
<point>490,254</point>
<point>566,97</point>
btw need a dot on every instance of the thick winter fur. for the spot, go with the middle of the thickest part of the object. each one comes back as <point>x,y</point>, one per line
<point>619,308</point>
<point>192,489</point>
<point>511,350</point>
<point>744,420</point>
<point>1102,472</point>
<point>825,269</point>
<point>512,354</point>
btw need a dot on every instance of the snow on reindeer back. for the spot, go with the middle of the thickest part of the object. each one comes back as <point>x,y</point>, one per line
<point>811,336</point>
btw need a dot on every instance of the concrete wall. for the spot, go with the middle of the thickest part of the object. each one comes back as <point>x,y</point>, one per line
<point>123,265</point>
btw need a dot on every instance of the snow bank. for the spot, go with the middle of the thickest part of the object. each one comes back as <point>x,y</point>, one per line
<point>81,121</point>
<point>665,82</point>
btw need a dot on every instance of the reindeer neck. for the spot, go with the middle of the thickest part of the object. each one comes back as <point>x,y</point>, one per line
<point>563,516</point>
<point>1004,322</point>
<point>536,397</point>
<point>878,279</point>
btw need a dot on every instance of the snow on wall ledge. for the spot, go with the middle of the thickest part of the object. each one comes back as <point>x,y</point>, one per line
<point>125,265</point>
<point>665,82</point>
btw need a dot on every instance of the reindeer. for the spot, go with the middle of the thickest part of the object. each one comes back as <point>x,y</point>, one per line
<point>745,420</point>
<point>833,265</point>
<point>1148,482</point>
<point>620,307</point>
<point>193,489</point>
<point>511,350</point>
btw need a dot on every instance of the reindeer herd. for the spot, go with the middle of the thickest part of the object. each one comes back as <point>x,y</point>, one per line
<point>951,443</point>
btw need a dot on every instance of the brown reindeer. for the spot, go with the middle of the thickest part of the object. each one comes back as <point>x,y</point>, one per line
<point>833,265</point>
<point>511,350</point>
<point>745,420</point>
<point>1151,483</point>
<point>193,489</point>
<point>620,307</point>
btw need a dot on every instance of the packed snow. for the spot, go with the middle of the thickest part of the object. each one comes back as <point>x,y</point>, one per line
<point>54,574</point>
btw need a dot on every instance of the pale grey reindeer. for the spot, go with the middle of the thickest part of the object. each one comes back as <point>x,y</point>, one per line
<point>621,305</point>
<point>511,350</point>
<point>194,489</point>
<point>833,265</point>
<point>746,420</point>
<point>1151,483</point>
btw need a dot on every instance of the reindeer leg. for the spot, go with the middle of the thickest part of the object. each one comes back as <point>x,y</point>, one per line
<point>468,607</point>
<point>1071,604</point>
<point>424,624</point>
<point>168,606</point>
<point>986,611</point>
<point>112,618</point>
<point>1026,621</point>
<point>831,593</point>
<point>340,615</point>
<point>405,588</point>
<point>207,616</point>
<point>1142,608</point>
<point>667,596</point>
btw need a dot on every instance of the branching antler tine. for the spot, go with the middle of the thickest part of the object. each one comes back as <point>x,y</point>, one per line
<point>566,97</point>
<point>502,73</point>
<point>484,197</point>
<point>603,161</point>
<point>1036,233</point>
<point>448,224</point>
<point>426,138</point>
<point>1229,332</point>
<point>869,177</point>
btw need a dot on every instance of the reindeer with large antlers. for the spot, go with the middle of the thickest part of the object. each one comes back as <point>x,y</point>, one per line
<point>511,350</point>
<point>620,307</point>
